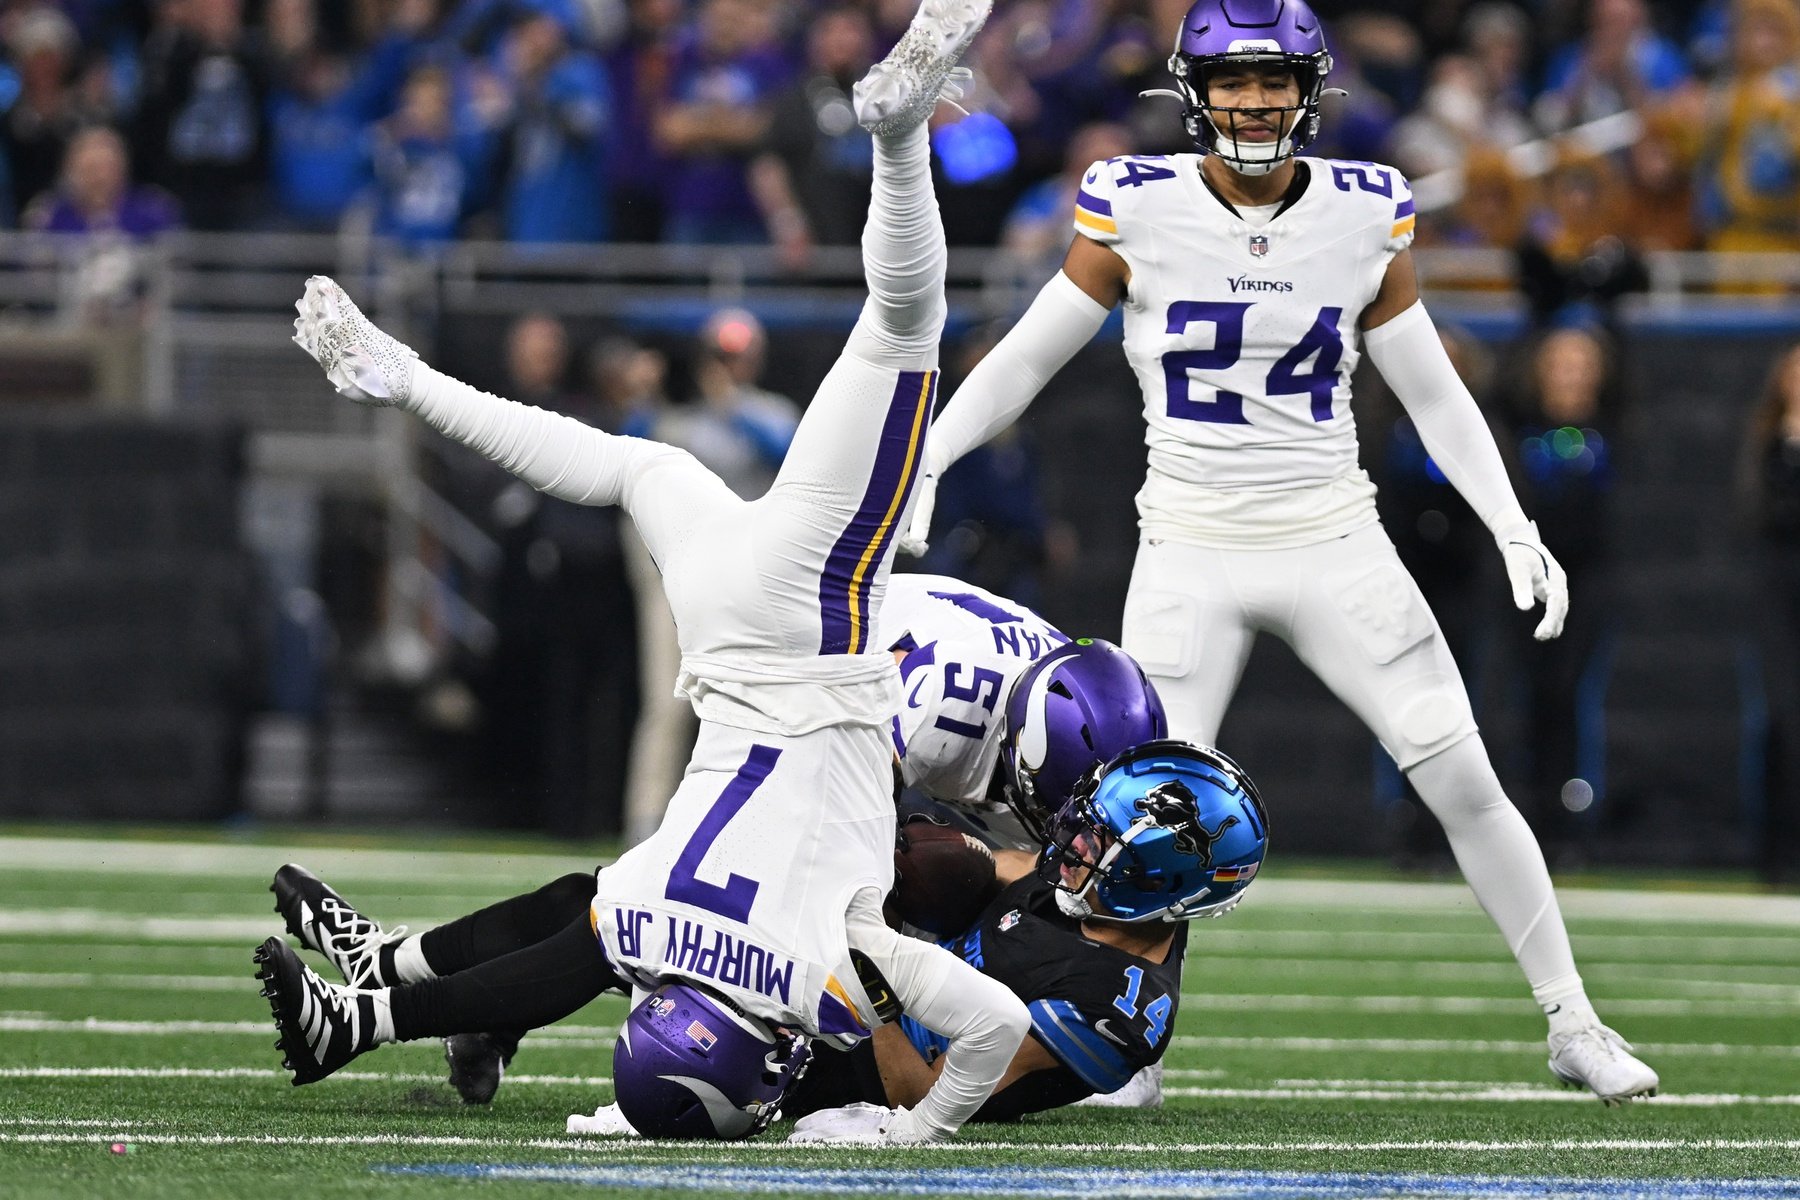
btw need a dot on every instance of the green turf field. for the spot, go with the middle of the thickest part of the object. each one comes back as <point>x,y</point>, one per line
<point>1341,1034</point>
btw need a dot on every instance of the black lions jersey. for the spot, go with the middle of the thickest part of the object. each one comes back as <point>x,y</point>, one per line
<point>1102,1013</point>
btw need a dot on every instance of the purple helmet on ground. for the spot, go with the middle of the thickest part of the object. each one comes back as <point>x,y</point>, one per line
<point>689,1064</point>
<point>1083,704</point>
<point>1221,33</point>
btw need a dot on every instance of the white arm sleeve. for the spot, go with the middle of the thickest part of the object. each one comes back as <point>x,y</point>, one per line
<point>984,1021</point>
<point>1059,322</point>
<point>1407,352</point>
<point>555,454</point>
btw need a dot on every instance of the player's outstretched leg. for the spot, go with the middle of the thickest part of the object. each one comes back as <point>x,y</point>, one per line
<point>827,528</point>
<point>370,957</point>
<point>903,249</point>
<point>1505,868</point>
<point>325,922</point>
<point>322,1026</point>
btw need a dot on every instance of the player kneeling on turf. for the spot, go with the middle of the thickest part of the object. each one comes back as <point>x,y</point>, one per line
<point>1089,934</point>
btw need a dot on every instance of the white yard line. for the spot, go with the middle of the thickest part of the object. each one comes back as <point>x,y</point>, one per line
<point>1504,1094</point>
<point>1712,979</point>
<point>1402,1091</point>
<point>121,980</point>
<point>1348,1045</point>
<point>1753,1000</point>
<point>1639,950</point>
<point>111,856</point>
<point>579,1037</point>
<point>78,1123</point>
<point>274,1073</point>
<point>115,855</point>
<point>1659,1007</point>
<point>632,1146</point>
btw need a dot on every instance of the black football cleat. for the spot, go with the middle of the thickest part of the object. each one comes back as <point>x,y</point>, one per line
<point>324,921</point>
<point>322,1026</point>
<point>477,1061</point>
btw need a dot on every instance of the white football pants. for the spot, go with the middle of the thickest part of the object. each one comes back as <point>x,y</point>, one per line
<point>1355,617</point>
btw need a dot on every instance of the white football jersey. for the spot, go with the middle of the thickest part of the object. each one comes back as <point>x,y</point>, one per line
<point>1243,334</point>
<point>965,647</point>
<point>746,884</point>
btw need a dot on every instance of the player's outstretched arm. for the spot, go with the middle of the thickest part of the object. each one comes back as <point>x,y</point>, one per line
<point>984,1021</point>
<point>1404,346</point>
<point>907,1077</point>
<point>1065,316</point>
<point>553,453</point>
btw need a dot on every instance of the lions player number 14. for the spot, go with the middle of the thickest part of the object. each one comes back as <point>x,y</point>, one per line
<point>1156,1012</point>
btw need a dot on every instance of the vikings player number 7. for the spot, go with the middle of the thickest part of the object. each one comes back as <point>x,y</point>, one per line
<point>733,900</point>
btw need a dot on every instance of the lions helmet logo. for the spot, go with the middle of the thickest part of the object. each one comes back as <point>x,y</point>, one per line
<point>1172,806</point>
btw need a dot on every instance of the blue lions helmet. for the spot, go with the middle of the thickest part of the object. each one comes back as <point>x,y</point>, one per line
<point>1167,830</point>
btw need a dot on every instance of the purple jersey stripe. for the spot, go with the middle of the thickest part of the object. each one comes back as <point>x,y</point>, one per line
<point>1094,204</point>
<point>836,1018</point>
<point>1403,209</point>
<point>850,569</point>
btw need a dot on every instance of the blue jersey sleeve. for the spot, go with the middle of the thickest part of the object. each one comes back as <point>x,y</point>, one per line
<point>1076,1044</point>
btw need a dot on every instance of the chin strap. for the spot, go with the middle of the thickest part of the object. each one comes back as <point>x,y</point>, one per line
<point>1072,905</point>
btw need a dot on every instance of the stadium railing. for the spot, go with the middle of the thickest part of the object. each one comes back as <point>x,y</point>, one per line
<point>208,315</point>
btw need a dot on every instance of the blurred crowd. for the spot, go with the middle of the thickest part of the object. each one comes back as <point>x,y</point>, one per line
<point>729,120</point>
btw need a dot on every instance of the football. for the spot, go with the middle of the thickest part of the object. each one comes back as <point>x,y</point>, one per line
<point>943,877</point>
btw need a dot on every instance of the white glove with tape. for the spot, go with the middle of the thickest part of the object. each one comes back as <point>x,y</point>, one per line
<point>917,537</point>
<point>1534,576</point>
<point>860,1124</point>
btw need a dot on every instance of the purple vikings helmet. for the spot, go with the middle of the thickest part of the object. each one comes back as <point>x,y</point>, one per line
<point>1217,33</point>
<point>1166,831</point>
<point>689,1064</point>
<point>1076,707</point>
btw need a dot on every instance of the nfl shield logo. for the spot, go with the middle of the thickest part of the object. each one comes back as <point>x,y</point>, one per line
<point>1259,245</point>
<point>1009,920</point>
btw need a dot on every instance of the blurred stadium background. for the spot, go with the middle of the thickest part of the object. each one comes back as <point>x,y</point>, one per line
<point>225,594</point>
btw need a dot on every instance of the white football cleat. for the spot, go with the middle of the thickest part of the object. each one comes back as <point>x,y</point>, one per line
<point>607,1121</point>
<point>901,90</point>
<point>1596,1058</point>
<point>360,360</point>
<point>1143,1090</point>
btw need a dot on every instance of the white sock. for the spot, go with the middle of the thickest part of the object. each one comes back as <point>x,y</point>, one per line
<point>409,962</point>
<point>904,259</point>
<point>384,1016</point>
<point>1569,1013</point>
<point>1505,868</point>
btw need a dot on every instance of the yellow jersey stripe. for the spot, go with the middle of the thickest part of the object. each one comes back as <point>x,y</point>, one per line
<point>1088,220</point>
<point>921,407</point>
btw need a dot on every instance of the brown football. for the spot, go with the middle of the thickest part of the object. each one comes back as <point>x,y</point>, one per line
<point>943,877</point>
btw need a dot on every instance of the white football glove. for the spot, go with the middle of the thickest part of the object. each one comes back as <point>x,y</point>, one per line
<point>860,1124</point>
<point>360,360</point>
<point>917,538</point>
<point>1535,576</point>
<point>607,1121</point>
